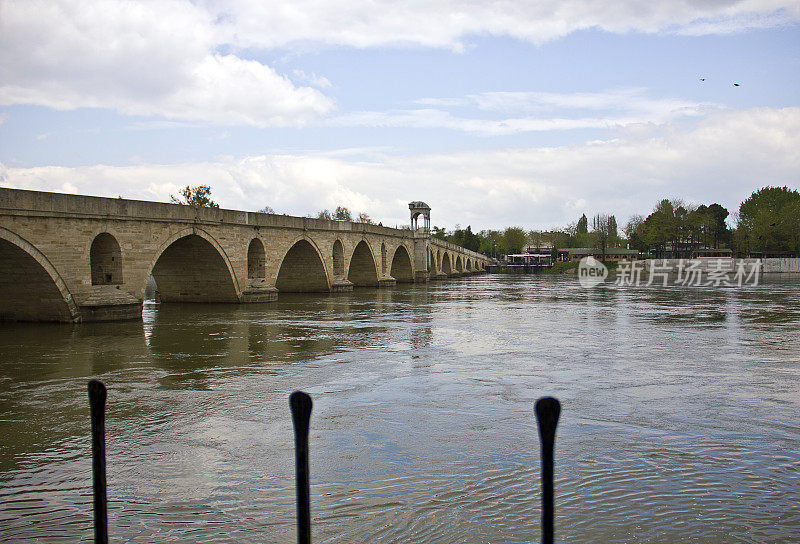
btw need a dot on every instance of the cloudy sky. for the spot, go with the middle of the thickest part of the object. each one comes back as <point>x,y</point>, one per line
<point>493,112</point>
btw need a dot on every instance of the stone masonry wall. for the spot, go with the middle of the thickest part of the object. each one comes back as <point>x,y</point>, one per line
<point>62,228</point>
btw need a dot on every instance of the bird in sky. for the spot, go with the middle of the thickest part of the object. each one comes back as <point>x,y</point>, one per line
<point>736,85</point>
<point>702,79</point>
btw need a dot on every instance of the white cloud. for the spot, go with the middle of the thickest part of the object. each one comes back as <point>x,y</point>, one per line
<point>312,79</point>
<point>547,111</point>
<point>759,17</point>
<point>140,58</point>
<point>721,158</point>
<point>430,118</point>
<point>182,59</point>
<point>449,23</point>
<point>634,101</point>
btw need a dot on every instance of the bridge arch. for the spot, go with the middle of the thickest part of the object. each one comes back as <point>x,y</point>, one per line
<point>469,264</point>
<point>446,268</point>
<point>402,270</point>
<point>105,260</point>
<point>438,259</point>
<point>431,261</point>
<point>256,260</point>
<point>302,269</point>
<point>191,266</point>
<point>31,289</point>
<point>363,271</point>
<point>383,259</point>
<point>459,266</point>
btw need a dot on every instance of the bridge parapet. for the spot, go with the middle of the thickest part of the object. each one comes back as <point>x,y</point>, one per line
<point>27,203</point>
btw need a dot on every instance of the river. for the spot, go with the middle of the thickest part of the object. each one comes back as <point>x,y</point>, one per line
<point>680,416</point>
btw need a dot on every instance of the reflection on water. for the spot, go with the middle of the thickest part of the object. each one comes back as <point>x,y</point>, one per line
<point>679,416</point>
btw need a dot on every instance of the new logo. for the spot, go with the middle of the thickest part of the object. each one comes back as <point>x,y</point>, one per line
<point>591,272</point>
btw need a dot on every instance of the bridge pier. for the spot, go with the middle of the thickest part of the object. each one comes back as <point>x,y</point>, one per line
<point>258,294</point>
<point>341,285</point>
<point>106,303</point>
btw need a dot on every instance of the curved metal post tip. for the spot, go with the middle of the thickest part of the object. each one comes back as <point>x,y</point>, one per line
<point>301,406</point>
<point>97,407</point>
<point>548,410</point>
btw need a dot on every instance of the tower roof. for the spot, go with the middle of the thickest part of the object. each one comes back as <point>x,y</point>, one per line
<point>418,205</point>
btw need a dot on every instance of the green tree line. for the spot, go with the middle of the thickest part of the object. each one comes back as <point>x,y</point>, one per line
<point>766,222</point>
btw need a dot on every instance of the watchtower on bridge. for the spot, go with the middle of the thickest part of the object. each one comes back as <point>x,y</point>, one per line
<point>422,250</point>
<point>420,208</point>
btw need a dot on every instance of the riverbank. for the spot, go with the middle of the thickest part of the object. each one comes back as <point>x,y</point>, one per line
<point>771,266</point>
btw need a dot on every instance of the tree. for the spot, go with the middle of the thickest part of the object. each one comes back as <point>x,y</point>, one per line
<point>682,227</point>
<point>661,226</point>
<point>195,196</point>
<point>465,238</point>
<point>492,243</point>
<point>769,220</point>
<point>683,230</point>
<point>601,230</point>
<point>472,241</point>
<point>719,229</point>
<point>536,238</point>
<point>634,232</point>
<point>699,227</point>
<point>456,236</point>
<point>613,233</point>
<point>266,209</point>
<point>514,239</point>
<point>439,233</point>
<point>583,225</point>
<point>560,239</point>
<point>581,231</point>
<point>364,218</point>
<point>342,214</point>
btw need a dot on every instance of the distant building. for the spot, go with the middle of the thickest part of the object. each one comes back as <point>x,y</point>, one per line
<point>708,253</point>
<point>544,247</point>
<point>530,259</point>
<point>611,253</point>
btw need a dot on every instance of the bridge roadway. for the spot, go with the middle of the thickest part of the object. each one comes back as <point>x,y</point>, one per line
<point>73,258</point>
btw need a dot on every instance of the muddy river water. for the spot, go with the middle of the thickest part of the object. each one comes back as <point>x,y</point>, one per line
<point>680,416</point>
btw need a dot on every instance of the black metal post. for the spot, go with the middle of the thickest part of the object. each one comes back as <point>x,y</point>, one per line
<point>97,405</point>
<point>301,415</point>
<point>547,411</point>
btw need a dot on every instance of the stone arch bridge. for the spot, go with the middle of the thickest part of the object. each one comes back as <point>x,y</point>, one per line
<point>73,258</point>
